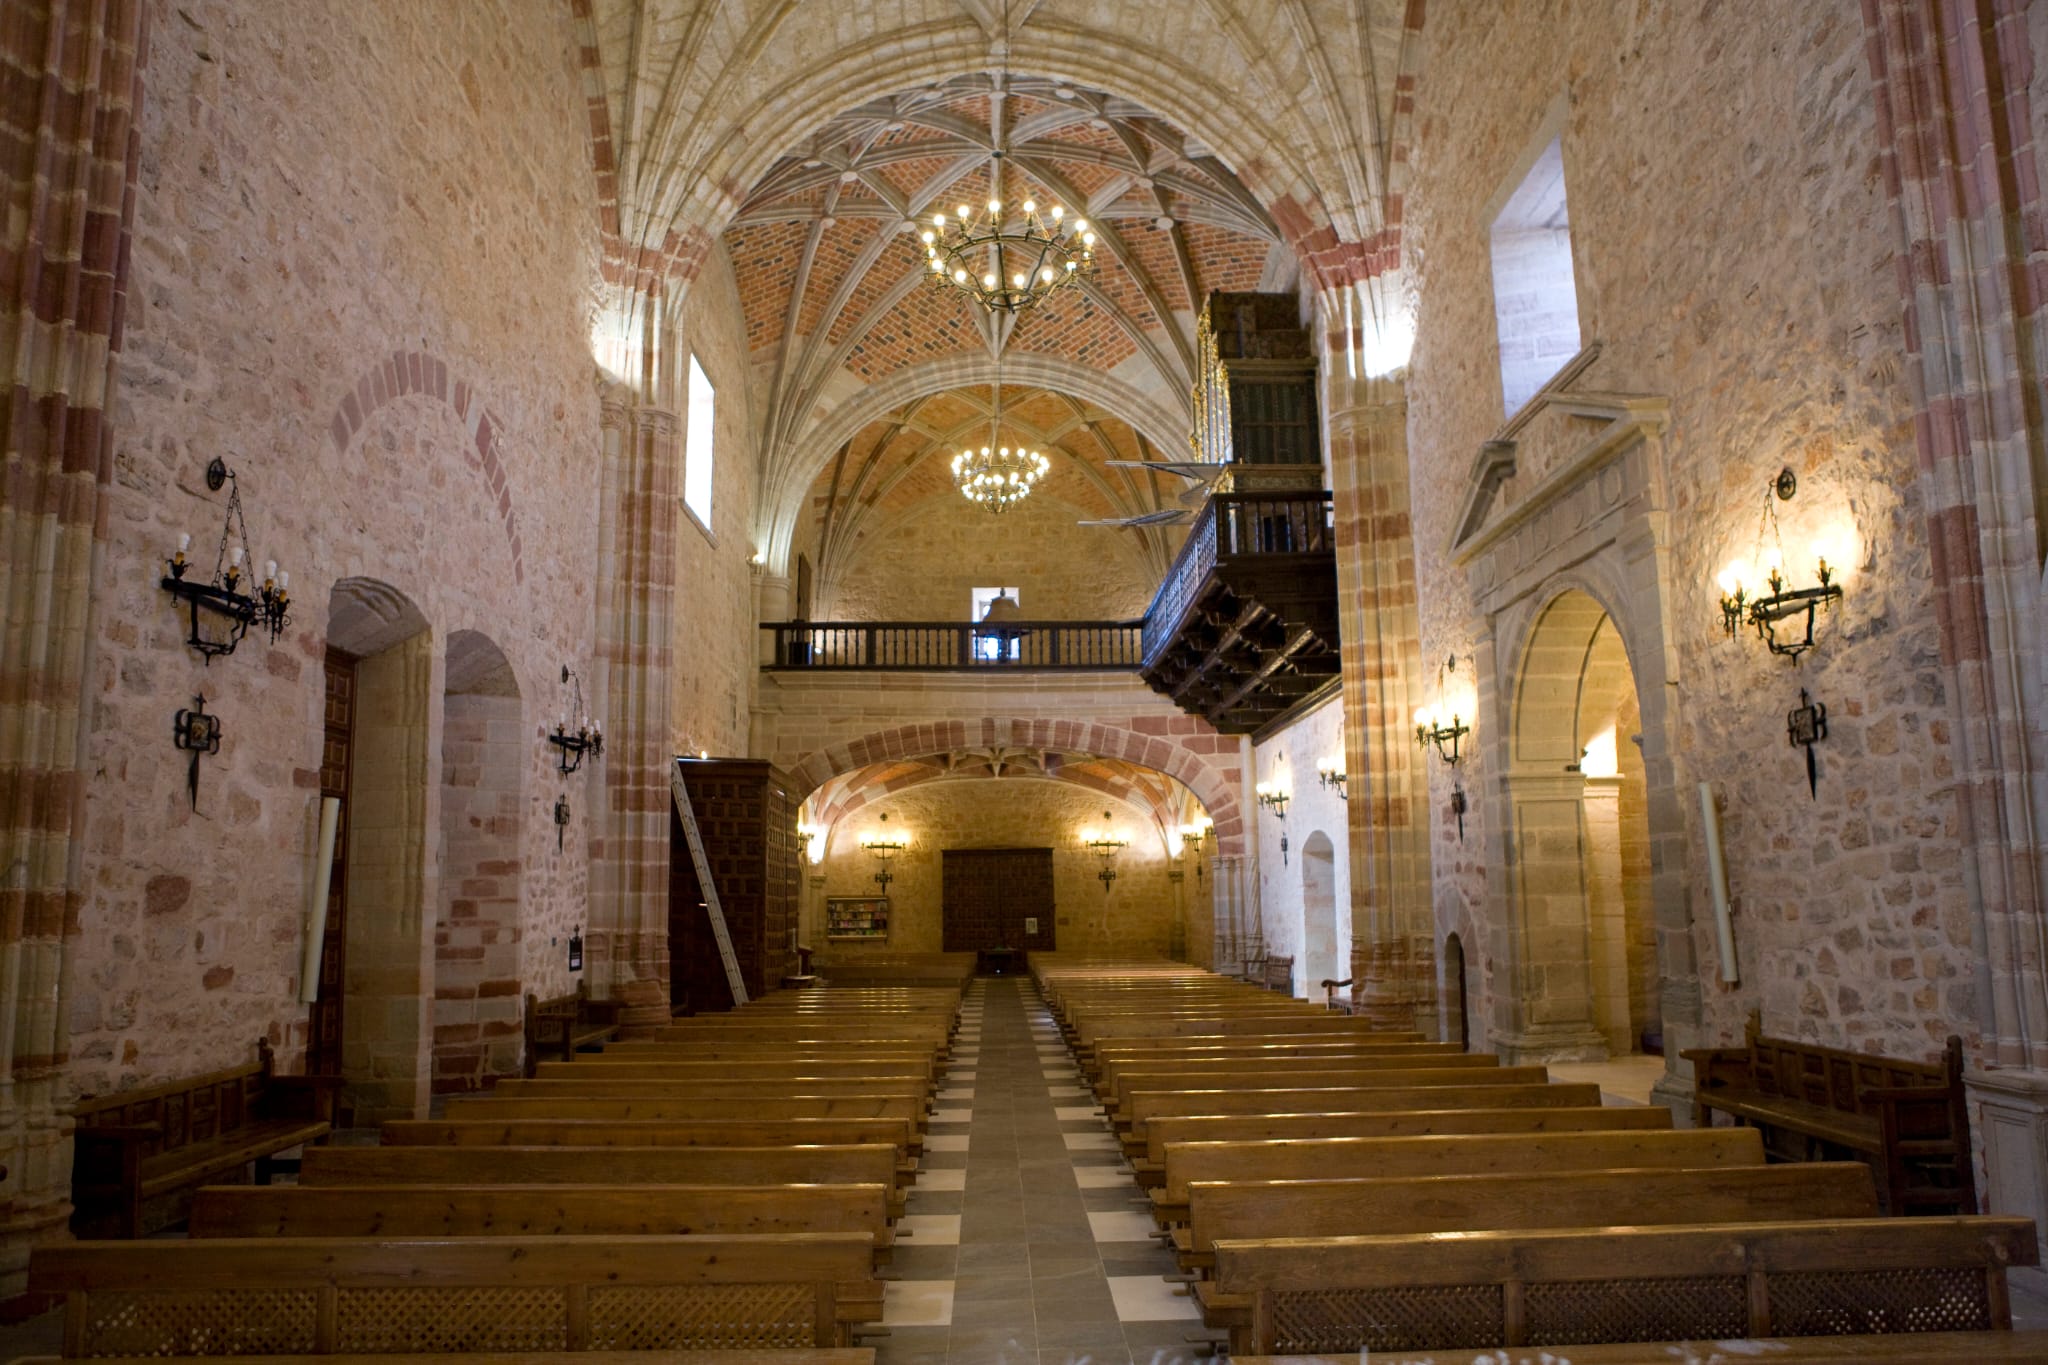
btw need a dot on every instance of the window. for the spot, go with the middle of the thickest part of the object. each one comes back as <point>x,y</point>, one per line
<point>1535,299</point>
<point>994,645</point>
<point>697,446</point>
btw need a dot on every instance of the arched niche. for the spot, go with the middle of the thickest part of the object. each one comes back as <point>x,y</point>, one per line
<point>1320,959</point>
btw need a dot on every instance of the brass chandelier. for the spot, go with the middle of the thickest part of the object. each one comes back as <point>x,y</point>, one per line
<point>997,476</point>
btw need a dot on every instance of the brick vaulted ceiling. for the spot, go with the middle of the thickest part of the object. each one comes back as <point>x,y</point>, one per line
<point>831,278</point>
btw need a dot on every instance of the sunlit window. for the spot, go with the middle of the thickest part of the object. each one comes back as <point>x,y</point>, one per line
<point>697,445</point>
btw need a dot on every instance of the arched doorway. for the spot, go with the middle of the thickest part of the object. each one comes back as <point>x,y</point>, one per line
<point>1458,1024</point>
<point>371,1017</point>
<point>1318,915</point>
<point>1583,948</point>
<point>484,755</point>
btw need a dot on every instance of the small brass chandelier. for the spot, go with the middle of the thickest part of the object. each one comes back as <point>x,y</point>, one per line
<point>1766,612</point>
<point>1105,844</point>
<point>997,476</point>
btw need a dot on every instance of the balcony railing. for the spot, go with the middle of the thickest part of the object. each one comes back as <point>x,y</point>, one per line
<point>1230,526</point>
<point>956,645</point>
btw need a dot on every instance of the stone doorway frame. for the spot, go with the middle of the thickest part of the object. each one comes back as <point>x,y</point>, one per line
<point>1570,494</point>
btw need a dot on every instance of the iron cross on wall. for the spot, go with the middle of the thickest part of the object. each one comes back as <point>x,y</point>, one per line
<point>1807,725</point>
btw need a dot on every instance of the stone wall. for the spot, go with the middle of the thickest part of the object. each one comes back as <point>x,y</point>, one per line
<point>1288,883</point>
<point>1740,266</point>
<point>711,681</point>
<point>1134,919</point>
<point>365,247</point>
<point>922,569</point>
<point>477,1004</point>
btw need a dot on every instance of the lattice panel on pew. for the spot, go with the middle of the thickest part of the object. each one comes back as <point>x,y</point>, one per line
<point>190,1322</point>
<point>1844,1303</point>
<point>1666,1309</point>
<point>1314,1320</point>
<point>465,1318</point>
<point>724,1317</point>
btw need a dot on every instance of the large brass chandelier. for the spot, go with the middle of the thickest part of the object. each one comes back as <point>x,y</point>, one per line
<point>997,476</point>
<point>1011,256</point>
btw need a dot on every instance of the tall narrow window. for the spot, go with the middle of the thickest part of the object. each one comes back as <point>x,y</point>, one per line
<point>1535,299</point>
<point>697,452</point>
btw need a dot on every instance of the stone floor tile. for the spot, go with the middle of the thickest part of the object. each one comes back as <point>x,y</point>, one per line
<point>945,1142</point>
<point>1102,1178</point>
<point>917,1303</point>
<point>938,1180</point>
<point>1144,1298</point>
<point>1130,1226</point>
<point>937,1229</point>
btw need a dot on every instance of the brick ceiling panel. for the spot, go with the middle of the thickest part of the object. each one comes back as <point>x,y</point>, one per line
<point>1151,249</point>
<point>924,325</point>
<point>839,251</point>
<point>772,252</point>
<point>1225,260</point>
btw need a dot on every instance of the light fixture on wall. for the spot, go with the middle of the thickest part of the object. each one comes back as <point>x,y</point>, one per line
<point>1440,723</point>
<point>882,845</point>
<point>1783,603</point>
<point>1192,836</point>
<point>1104,844</point>
<point>1274,797</point>
<point>588,735</point>
<point>1330,773</point>
<point>221,596</point>
<point>813,837</point>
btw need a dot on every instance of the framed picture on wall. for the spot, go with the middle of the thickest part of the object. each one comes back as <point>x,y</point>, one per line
<point>857,918</point>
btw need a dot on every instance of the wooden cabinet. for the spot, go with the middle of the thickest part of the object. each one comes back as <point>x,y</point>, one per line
<point>747,821</point>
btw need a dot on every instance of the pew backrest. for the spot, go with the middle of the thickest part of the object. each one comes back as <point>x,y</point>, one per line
<point>1167,1129</point>
<point>857,1164</point>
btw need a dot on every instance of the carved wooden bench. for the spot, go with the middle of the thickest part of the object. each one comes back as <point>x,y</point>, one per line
<point>1907,1119</point>
<point>1446,1154</point>
<point>1537,1196</point>
<point>1146,1105</point>
<point>504,1210</point>
<point>1716,1280</point>
<point>137,1144</point>
<point>1163,1132</point>
<point>559,1027</point>
<point>285,1295</point>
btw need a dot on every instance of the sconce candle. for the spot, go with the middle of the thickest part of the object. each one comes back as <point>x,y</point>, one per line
<point>221,595</point>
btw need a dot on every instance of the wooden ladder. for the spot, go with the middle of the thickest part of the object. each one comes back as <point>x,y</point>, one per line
<point>681,794</point>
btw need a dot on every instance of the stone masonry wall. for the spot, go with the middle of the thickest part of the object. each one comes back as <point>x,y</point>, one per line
<point>365,247</point>
<point>476,1012</point>
<point>1133,920</point>
<point>1733,254</point>
<point>1290,758</point>
<point>712,678</point>
<point>923,569</point>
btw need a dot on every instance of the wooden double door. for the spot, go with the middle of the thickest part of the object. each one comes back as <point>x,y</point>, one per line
<point>997,898</point>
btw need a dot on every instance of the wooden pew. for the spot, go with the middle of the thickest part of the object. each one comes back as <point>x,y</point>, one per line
<point>1109,1070</point>
<point>1146,1105</point>
<point>658,1133</point>
<point>838,1355</point>
<point>417,1211</point>
<point>1443,1154</point>
<point>1163,1131</point>
<point>687,1108</point>
<point>1820,1277</point>
<point>1363,1074</point>
<point>1909,1348</point>
<point>654,1087</point>
<point>1536,1196</point>
<point>466,1294</point>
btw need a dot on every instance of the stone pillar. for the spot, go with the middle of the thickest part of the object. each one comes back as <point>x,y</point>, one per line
<point>771,604</point>
<point>74,89</point>
<point>1961,162</point>
<point>627,941</point>
<point>1227,945</point>
<point>1392,925</point>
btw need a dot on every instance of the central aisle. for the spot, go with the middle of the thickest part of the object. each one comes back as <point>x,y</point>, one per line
<point>1027,1241</point>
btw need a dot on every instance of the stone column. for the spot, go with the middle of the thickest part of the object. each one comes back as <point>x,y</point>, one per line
<point>1957,150</point>
<point>771,605</point>
<point>627,942</point>
<point>73,91</point>
<point>1392,926</point>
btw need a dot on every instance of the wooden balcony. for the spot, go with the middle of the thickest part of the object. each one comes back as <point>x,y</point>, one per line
<point>1243,632</point>
<point>956,646</point>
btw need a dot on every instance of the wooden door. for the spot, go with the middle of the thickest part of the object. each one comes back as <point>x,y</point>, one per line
<point>323,1024</point>
<point>987,895</point>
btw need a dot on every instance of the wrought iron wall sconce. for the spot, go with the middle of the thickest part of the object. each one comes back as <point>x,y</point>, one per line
<point>1191,837</point>
<point>586,738</point>
<point>1274,796</point>
<point>561,820</point>
<point>1782,604</point>
<point>1433,729</point>
<point>882,846</point>
<point>1105,845</point>
<point>1330,773</point>
<point>1805,726</point>
<point>198,734</point>
<point>221,595</point>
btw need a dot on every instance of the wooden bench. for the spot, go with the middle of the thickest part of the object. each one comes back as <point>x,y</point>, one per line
<point>658,1133</point>
<point>1913,1348</point>
<point>1716,1280</point>
<point>1305,1075</point>
<point>1537,1196</point>
<point>502,1210</point>
<point>329,1294</point>
<point>1148,1104</point>
<point>689,1107</point>
<point>656,1086</point>
<point>560,1026</point>
<point>1165,1130</point>
<point>137,1144</point>
<point>1907,1119</point>
<point>1257,1062</point>
<point>1443,1154</point>
<point>843,1355</point>
<point>861,1164</point>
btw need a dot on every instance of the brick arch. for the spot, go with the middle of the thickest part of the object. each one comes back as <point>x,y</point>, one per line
<point>406,373</point>
<point>1215,785</point>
